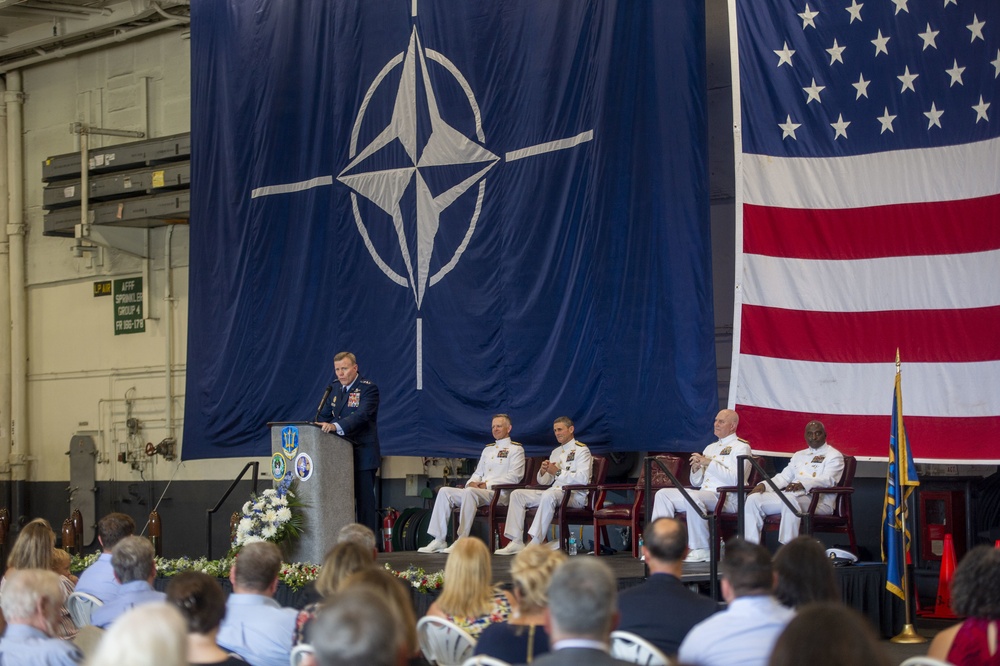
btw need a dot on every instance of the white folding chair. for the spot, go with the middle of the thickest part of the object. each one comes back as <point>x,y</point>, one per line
<point>444,643</point>
<point>299,653</point>
<point>80,606</point>
<point>924,660</point>
<point>635,649</point>
<point>484,660</point>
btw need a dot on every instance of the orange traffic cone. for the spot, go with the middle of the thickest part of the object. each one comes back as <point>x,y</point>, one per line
<point>942,609</point>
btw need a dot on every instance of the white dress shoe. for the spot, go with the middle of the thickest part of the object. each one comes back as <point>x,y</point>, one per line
<point>436,546</point>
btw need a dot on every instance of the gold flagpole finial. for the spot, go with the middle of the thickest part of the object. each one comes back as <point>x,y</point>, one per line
<point>897,360</point>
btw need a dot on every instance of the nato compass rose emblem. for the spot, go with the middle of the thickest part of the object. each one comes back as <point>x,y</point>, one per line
<point>381,173</point>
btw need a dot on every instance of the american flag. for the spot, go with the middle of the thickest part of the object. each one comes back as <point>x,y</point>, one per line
<point>868,218</point>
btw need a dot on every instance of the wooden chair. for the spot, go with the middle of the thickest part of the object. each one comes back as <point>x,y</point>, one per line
<point>584,515</point>
<point>632,513</point>
<point>726,523</point>
<point>496,513</point>
<point>636,649</point>
<point>444,643</point>
<point>841,521</point>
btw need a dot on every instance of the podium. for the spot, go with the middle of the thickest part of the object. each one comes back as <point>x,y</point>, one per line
<point>323,467</point>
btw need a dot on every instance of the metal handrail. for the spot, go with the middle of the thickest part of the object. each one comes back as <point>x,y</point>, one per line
<point>741,497</point>
<point>255,465</point>
<point>713,560</point>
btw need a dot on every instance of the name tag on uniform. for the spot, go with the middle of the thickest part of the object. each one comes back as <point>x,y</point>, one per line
<point>502,453</point>
<point>818,459</point>
<point>726,451</point>
<point>354,399</point>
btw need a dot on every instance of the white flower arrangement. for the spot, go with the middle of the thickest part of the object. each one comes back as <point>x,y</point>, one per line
<point>270,516</point>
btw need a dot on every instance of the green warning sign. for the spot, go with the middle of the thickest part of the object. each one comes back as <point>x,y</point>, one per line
<point>128,306</point>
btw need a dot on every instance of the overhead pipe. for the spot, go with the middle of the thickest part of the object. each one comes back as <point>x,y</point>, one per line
<point>5,420</point>
<point>123,36</point>
<point>14,99</point>
<point>168,324</point>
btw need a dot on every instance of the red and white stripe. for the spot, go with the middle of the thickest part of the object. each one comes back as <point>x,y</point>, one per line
<point>844,260</point>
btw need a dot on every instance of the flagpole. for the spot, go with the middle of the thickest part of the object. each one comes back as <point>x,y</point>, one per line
<point>909,634</point>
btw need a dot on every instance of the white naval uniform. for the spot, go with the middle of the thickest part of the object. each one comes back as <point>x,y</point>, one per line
<point>574,461</point>
<point>813,468</point>
<point>501,462</point>
<point>721,471</point>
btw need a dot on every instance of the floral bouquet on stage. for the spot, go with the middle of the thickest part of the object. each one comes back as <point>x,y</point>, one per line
<point>271,516</point>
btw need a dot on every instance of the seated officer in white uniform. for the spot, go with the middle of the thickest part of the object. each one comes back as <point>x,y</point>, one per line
<point>568,465</point>
<point>716,467</point>
<point>501,462</point>
<point>819,466</point>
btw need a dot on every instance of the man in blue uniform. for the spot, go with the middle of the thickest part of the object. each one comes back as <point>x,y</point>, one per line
<point>352,413</point>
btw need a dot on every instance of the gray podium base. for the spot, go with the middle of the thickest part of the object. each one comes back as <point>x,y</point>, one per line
<point>323,464</point>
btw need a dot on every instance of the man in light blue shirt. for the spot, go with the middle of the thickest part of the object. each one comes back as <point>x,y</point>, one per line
<point>98,579</point>
<point>744,634</point>
<point>31,602</point>
<point>135,569</point>
<point>255,626</point>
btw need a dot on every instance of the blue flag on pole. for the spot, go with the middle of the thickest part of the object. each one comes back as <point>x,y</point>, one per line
<point>497,206</point>
<point>900,481</point>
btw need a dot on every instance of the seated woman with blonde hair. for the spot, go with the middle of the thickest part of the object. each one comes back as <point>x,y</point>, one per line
<point>343,560</point>
<point>35,549</point>
<point>469,598</point>
<point>523,637</point>
<point>975,594</point>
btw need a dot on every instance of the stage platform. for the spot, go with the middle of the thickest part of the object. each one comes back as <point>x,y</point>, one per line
<point>862,585</point>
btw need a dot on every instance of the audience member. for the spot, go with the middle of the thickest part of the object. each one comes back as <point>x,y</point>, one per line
<point>98,579</point>
<point>343,560</point>
<point>819,465</point>
<point>61,563</point>
<point>501,462</point>
<point>31,602</point>
<point>569,464</point>
<point>34,549</point>
<point>359,534</point>
<point>714,468</point>
<point>468,597</point>
<point>255,626</point>
<point>523,637</point>
<point>975,594</point>
<point>352,630</point>
<point>133,561</point>
<point>149,635</point>
<point>201,601</point>
<point>582,614</point>
<point>397,593</point>
<point>641,607</point>
<point>804,574</point>
<point>744,633</point>
<point>355,533</point>
<point>828,634</point>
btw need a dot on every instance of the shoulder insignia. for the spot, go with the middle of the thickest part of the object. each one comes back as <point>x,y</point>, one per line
<point>579,443</point>
<point>364,381</point>
<point>491,444</point>
<point>743,440</point>
<point>515,443</point>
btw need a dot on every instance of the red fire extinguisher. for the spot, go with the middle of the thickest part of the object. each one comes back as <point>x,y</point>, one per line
<point>388,522</point>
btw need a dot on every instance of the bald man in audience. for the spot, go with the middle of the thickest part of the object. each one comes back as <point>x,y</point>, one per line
<point>641,607</point>
<point>31,602</point>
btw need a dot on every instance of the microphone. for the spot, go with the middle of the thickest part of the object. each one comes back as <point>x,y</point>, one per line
<point>329,390</point>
